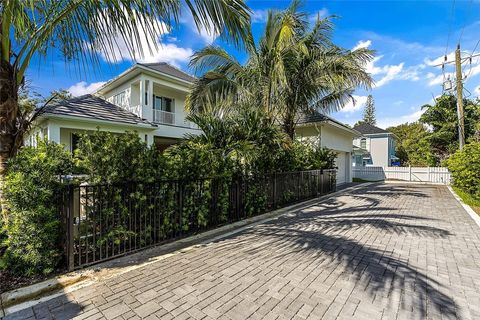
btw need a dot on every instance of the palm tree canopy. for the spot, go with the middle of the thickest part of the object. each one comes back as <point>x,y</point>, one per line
<point>82,28</point>
<point>294,68</point>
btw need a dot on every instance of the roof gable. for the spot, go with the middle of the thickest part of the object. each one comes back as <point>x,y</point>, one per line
<point>167,69</point>
<point>315,117</point>
<point>366,128</point>
<point>94,108</point>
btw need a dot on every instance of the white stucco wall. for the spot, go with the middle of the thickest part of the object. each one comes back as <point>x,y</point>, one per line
<point>334,138</point>
<point>60,130</point>
<point>145,82</point>
<point>379,151</point>
<point>326,136</point>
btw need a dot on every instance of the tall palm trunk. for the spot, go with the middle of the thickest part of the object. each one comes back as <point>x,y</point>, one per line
<point>289,127</point>
<point>8,114</point>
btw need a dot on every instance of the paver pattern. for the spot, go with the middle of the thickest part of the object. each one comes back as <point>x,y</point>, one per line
<point>380,252</point>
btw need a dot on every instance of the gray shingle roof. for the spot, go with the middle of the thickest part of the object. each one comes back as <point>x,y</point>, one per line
<point>164,67</point>
<point>316,116</point>
<point>366,128</point>
<point>92,107</point>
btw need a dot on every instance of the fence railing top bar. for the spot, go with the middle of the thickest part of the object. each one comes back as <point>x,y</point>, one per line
<point>71,183</point>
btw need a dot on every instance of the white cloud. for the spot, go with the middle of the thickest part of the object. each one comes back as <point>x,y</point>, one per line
<point>81,88</point>
<point>147,49</point>
<point>439,60</point>
<point>389,122</point>
<point>259,16</point>
<point>389,72</point>
<point>322,13</point>
<point>207,35</point>
<point>352,107</point>
<point>477,91</point>
<point>362,44</point>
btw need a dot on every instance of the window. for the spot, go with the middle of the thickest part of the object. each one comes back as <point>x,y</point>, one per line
<point>363,143</point>
<point>120,99</point>
<point>163,104</point>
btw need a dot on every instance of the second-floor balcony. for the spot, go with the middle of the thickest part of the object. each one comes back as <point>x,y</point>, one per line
<point>166,117</point>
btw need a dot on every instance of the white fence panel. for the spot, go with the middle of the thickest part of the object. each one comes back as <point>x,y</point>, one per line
<point>419,174</point>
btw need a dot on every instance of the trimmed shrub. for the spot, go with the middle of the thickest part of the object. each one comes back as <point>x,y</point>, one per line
<point>465,168</point>
<point>107,157</point>
<point>33,223</point>
<point>302,156</point>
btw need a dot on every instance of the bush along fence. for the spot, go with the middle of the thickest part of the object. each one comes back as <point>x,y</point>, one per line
<point>103,221</point>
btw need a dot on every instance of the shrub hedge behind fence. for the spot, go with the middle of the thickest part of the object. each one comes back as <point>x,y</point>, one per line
<point>103,221</point>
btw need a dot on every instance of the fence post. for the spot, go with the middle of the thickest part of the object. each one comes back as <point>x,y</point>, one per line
<point>428,174</point>
<point>70,221</point>
<point>274,190</point>
<point>409,173</point>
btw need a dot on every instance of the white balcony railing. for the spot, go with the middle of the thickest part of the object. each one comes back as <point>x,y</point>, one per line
<point>160,116</point>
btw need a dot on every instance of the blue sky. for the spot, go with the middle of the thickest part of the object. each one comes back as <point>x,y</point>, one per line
<point>409,38</point>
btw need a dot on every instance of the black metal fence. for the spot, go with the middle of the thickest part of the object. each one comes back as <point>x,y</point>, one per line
<point>103,221</point>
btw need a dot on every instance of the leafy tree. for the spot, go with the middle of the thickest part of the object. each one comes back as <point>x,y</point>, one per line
<point>294,68</point>
<point>413,145</point>
<point>80,29</point>
<point>57,96</point>
<point>369,111</point>
<point>465,168</point>
<point>33,192</point>
<point>442,119</point>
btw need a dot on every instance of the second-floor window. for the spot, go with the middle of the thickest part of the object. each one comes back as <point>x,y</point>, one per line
<point>363,143</point>
<point>163,104</point>
<point>120,99</point>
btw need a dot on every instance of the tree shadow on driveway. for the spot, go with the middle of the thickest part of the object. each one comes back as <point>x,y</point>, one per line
<point>332,229</point>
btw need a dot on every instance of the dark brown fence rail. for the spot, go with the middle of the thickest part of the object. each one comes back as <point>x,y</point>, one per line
<point>103,221</point>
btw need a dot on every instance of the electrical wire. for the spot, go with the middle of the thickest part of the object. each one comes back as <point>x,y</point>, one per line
<point>452,12</point>
<point>465,24</point>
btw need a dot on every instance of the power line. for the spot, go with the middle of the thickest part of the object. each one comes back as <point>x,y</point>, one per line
<point>452,12</point>
<point>465,24</point>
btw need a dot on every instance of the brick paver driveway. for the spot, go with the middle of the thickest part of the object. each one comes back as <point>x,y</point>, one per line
<point>380,252</point>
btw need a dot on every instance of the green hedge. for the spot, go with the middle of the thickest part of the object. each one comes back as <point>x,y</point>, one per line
<point>33,222</point>
<point>465,168</point>
<point>246,146</point>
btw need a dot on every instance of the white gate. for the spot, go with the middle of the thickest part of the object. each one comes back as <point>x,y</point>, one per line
<point>419,174</point>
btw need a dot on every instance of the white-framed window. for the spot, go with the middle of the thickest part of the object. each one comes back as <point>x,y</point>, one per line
<point>363,143</point>
<point>120,99</point>
<point>163,104</point>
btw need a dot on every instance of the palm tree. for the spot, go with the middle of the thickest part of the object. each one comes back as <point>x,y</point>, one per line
<point>80,29</point>
<point>294,69</point>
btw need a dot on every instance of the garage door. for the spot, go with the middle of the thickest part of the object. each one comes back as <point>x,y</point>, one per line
<point>341,164</point>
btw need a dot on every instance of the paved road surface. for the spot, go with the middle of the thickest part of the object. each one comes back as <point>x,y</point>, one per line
<point>381,252</point>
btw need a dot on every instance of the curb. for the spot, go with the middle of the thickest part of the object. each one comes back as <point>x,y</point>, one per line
<point>22,298</point>
<point>414,182</point>
<point>465,206</point>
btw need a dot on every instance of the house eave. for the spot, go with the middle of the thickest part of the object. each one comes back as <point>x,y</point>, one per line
<point>335,124</point>
<point>97,121</point>
<point>139,68</point>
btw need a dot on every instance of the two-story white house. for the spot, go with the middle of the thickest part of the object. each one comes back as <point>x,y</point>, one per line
<point>150,99</point>
<point>146,98</point>
<point>375,147</point>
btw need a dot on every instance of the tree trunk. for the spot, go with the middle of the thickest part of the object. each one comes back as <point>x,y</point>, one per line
<point>289,128</point>
<point>8,115</point>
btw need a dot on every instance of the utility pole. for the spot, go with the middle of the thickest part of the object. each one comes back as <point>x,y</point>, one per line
<point>459,76</point>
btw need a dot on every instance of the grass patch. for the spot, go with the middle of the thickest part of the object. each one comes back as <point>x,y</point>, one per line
<point>468,199</point>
